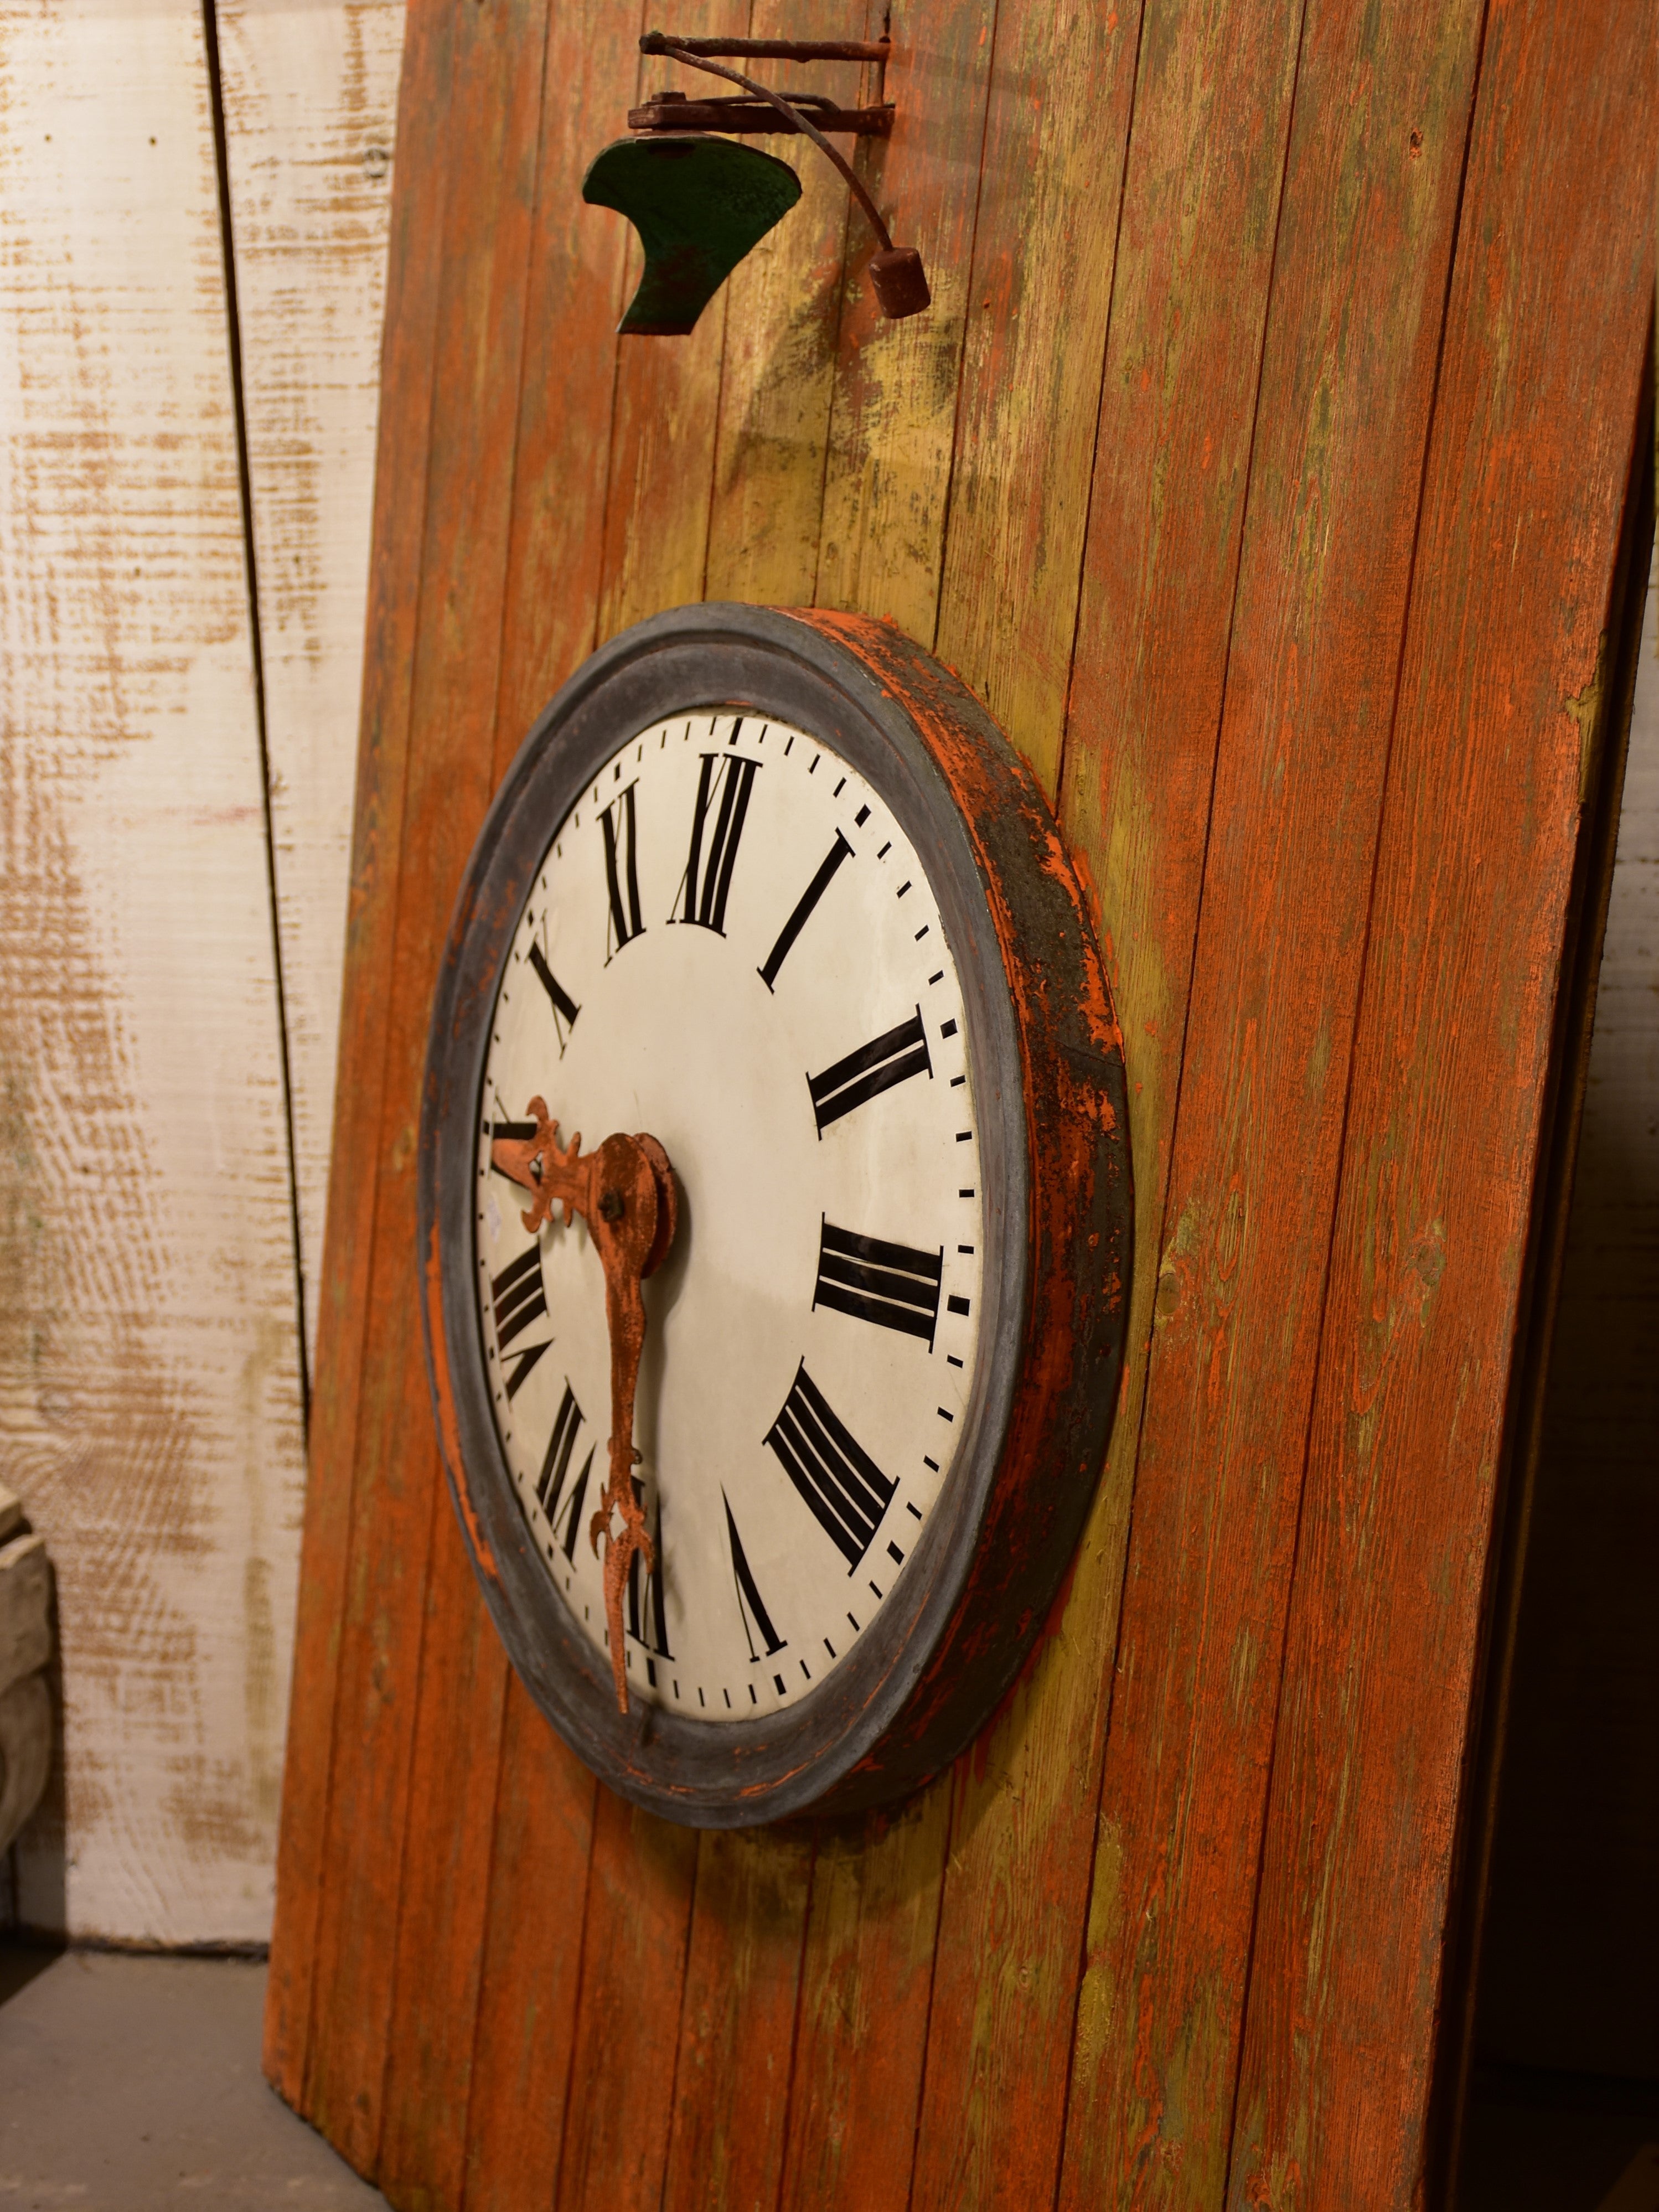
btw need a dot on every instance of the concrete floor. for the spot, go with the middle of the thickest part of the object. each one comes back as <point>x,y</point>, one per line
<point>132,2084</point>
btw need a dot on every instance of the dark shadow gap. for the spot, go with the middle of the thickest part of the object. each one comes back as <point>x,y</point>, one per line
<point>245,481</point>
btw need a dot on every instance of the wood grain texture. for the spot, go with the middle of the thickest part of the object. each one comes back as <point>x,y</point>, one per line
<point>531,1963</point>
<point>866,1977</point>
<point>1524,497</point>
<point>1022,1821</point>
<point>149,1355</point>
<point>326,1585</point>
<point>365,1667</point>
<point>530,1973</point>
<point>664,418</point>
<point>495,90</point>
<point>417,1637</point>
<point>310,98</point>
<point>783,325</point>
<point>642,1875</point>
<point>887,472</point>
<point>881,487</point>
<point>738,2020</point>
<point>1045,241</point>
<point>889,2013</point>
<point>1177,420</point>
<point>619,2108</point>
<point>581,279</point>
<point>733,2062</point>
<point>1366,240</point>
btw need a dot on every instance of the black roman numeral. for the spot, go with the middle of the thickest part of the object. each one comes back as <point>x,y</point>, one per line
<point>523,1130</point>
<point>846,1490</point>
<point>565,1009</point>
<point>755,1617</point>
<point>550,1484</point>
<point>646,1622</point>
<point>840,851</point>
<point>713,851</point>
<point>873,1068</point>
<point>873,1280</point>
<point>622,874</point>
<point>519,1299</point>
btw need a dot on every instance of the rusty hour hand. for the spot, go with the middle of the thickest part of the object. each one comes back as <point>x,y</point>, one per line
<point>625,1192</point>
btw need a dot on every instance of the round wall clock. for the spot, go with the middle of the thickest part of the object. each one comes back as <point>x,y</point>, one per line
<point>774,1212</point>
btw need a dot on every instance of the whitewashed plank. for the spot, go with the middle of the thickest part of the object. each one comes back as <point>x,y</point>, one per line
<point>310,101</point>
<point>148,1354</point>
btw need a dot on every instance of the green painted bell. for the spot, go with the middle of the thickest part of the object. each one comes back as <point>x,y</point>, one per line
<point>699,205</point>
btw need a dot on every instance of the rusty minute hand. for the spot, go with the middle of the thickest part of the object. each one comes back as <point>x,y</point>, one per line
<point>625,1192</point>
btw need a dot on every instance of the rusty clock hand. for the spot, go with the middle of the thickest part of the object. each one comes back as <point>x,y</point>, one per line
<point>625,1192</point>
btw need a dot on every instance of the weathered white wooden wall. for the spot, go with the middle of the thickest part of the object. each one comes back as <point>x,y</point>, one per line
<point>149,1357</point>
<point>310,101</point>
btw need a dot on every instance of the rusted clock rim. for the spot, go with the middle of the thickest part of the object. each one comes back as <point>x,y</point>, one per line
<point>1048,1087</point>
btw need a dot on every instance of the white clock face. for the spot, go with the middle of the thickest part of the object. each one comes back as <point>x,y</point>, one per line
<point>731,946</point>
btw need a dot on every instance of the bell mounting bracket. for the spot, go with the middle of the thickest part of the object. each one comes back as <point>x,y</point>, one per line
<point>896,274</point>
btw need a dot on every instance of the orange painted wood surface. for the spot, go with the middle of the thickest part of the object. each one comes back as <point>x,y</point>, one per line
<point>461,1681</point>
<point>1221,467</point>
<point>1490,779</point>
<point>1350,344</point>
<point>332,1507</point>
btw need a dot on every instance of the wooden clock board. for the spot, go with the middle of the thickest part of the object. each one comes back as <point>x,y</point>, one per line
<point>1242,469</point>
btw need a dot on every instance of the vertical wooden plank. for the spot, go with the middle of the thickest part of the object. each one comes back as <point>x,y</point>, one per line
<point>1178,412</point>
<point>1051,185</point>
<point>850,2131</point>
<point>743,1953</point>
<point>327,1582</point>
<point>738,2020</point>
<point>530,1979</point>
<point>1370,211</point>
<point>1022,1827</point>
<point>149,1351</point>
<point>665,416</point>
<point>888,472</point>
<point>641,1875</point>
<point>452,1668</point>
<point>783,322</point>
<point>861,2037</point>
<point>310,99</point>
<point>397,1485</point>
<point>642,1870</point>
<point>581,275</point>
<point>1505,664</point>
<point>531,1960</point>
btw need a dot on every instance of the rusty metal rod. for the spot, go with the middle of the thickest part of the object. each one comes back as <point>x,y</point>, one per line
<point>658,42</point>
<point>667,111</point>
<point>772,50</point>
